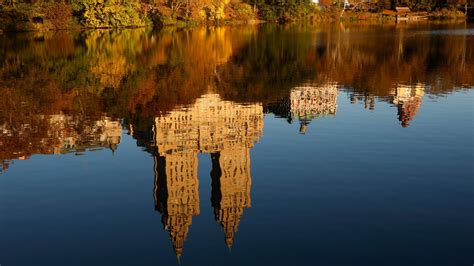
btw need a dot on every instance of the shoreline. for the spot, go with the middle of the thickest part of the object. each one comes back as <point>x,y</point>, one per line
<point>10,25</point>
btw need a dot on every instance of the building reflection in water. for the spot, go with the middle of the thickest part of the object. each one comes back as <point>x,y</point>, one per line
<point>408,100</point>
<point>306,103</point>
<point>225,130</point>
<point>56,134</point>
<point>367,99</point>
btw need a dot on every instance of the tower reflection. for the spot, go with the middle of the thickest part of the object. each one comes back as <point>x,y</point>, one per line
<point>225,130</point>
<point>408,99</point>
<point>231,183</point>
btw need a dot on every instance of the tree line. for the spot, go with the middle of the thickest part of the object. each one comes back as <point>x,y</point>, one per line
<point>122,13</point>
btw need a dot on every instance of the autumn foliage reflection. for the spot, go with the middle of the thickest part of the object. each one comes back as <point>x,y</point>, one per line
<point>139,74</point>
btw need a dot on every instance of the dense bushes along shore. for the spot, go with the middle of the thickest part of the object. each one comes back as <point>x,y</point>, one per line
<point>45,15</point>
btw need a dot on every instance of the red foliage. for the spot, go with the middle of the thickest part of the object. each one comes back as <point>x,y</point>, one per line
<point>59,14</point>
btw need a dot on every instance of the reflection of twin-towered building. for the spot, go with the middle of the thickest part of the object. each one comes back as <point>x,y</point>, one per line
<point>225,130</point>
<point>308,102</point>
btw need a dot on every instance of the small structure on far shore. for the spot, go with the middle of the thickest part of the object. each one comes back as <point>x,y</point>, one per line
<point>405,14</point>
<point>403,11</point>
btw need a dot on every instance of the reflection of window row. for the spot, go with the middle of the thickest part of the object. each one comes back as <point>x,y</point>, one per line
<point>176,192</point>
<point>225,130</point>
<point>306,103</point>
<point>309,101</point>
<point>209,125</point>
<point>56,134</point>
<point>231,183</point>
<point>312,101</point>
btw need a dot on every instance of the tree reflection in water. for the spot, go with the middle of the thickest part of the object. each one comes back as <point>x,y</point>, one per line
<point>207,90</point>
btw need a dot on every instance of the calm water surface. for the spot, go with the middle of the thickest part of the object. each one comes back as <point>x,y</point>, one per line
<point>268,145</point>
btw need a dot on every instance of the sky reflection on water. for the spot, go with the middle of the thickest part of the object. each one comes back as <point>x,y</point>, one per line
<point>244,145</point>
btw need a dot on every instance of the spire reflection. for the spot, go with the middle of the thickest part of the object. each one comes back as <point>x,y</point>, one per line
<point>225,130</point>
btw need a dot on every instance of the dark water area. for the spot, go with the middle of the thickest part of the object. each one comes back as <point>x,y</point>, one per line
<point>263,145</point>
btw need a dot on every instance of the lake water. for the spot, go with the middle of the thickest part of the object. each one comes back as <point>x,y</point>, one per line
<point>265,145</point>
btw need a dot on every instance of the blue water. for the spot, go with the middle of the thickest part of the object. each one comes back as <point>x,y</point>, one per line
<point>356,189</point>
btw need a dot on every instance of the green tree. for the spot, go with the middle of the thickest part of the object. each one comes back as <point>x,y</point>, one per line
<point>109,13</point>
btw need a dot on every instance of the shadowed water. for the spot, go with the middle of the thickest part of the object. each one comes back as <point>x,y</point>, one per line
<point>264,145</point>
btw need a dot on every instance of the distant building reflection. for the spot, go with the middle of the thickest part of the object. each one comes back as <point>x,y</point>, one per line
<point>367,99</point>
<point>306,103</point>
<point>56,134</point>
<point>225,130</point>
<point>408,100</point>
